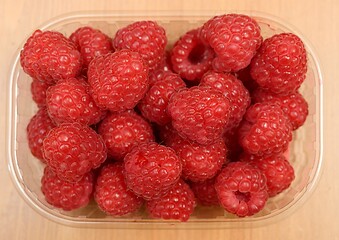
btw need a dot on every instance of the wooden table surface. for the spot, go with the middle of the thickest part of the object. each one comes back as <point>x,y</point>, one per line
<point>316,219</point>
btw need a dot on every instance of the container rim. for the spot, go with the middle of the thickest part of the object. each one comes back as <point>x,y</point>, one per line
<point>11,131</point>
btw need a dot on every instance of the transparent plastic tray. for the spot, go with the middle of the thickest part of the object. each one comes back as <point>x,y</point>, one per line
<point>305,150</point>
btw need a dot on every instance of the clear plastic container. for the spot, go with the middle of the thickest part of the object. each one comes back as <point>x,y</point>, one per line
<point>305,151</point>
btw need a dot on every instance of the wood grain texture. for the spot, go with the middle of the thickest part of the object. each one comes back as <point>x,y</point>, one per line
<point>318,20</point>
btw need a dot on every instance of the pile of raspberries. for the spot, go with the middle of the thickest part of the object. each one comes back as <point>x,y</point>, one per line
<point>133,121</point>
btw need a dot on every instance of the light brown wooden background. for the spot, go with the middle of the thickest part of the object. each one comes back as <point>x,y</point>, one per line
<point>318,218</point>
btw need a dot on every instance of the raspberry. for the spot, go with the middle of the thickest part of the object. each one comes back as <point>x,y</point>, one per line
<point>151,170</point>
<point>177,204</point>
<point>205,192</point>
<point>235,39</point>
<point>37,129</point>
<point>241,189</point>
<point>157,75</point>
<point>69,100</point>
<point>277,170</point>
<point>234,90</point>
<point>111,193</point>
<point>199,162</point>
<point>38,90</point>
<point>66,195</point>
<point>91,43</point>
<point>199,113</point>
<point>49,56</point>
<point>265,130</point>
<point>190,57</point>
<point>123,131</point>
<point>293,104</point>
<point>154,105</point>
<point>145,37</point>
<point>72,150</point>
<point>118,80</point>
<point>280,65</point>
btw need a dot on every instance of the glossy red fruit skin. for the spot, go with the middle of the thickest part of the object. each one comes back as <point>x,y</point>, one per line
<point>265,130</point>
<point>111,193</point>
<point>49,56</point>
<point>277,170</point>
<point>177,204</point>
<point>119,80</point>
<point>234,90</point>
<point>191,58</point>
<point>91,43</point>
<point>72,150</point>
<point>205,192</point>
<point>234,38</point>
<point>151,170</point>
<point>294,105</point>
<point>145,37</point>
<point>38,90</point>
<point>199,113</point>
<point>199,162</point>
<point>281,64</point>
<point>123,131</point>
<point>241,189</point>
<point>37,129</point>
<point>154,105</point>
<point>69,100</point>
<point>66,195</point>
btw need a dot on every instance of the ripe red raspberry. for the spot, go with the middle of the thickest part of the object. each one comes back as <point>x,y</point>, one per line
<point>235,39</point>
<point>145,37</point>
<point>49,56</point>
<point>72,150</point>
<point>234,90</point>
<point>157,75</point>
<point>177,204</point>
<point>38,90</point>
<point>91,43</point>
<point>64,194</point>
<point>199,113</point>
<point>205,192</point>
<point>277,170</point>
<point>37,129</point>
<point>293,104</point>
<point>118,80</point>
<point>265,130</point>
<point>69,100</point>
<point>154,105</point>
<point>281,64</point>
<point>151,170</point>
<point>241,189</point>
<point>199,162</point>
<point>123,131</point>
<point>190,57</point>
<point>111,193</point>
